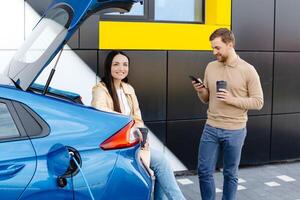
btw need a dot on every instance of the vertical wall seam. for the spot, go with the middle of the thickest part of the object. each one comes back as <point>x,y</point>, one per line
<point>97,67</point>
<point>273,74</point>
<point>231,15</point>
<point>167,94</point>
<point>79,38</point>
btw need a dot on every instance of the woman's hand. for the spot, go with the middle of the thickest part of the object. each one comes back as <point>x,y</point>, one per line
<point>146,147</point>
<point>146,143</point>
<point>139,133</point>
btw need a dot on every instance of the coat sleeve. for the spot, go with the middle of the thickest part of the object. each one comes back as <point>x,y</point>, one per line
<point>137,116</point>
<point>100,99</point>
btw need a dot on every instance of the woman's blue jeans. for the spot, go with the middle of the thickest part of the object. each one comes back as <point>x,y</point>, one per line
<point>165,183</point>
<point>230,142</point>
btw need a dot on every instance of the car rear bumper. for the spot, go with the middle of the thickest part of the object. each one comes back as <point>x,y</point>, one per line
<point>129,180</point>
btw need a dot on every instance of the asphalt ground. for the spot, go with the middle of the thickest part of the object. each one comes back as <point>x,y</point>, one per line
<point>279,181</point>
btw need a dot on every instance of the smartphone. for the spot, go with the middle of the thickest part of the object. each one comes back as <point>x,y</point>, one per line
<point>195,79</point>
<point>144,132</point>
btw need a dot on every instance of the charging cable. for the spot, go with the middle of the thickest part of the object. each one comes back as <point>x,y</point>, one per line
<point>89,189</point>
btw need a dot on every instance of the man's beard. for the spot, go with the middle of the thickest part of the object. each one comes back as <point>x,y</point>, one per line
<point>221,58</point>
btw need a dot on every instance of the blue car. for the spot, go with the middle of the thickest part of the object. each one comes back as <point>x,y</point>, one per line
<point>53,147</point>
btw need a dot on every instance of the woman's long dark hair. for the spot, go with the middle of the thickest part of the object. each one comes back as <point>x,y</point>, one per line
<point>108,79</point>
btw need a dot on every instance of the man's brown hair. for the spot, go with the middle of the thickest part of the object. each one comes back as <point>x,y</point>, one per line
<point>225,35</point>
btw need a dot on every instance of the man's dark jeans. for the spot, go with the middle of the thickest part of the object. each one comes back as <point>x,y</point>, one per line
<point>230,142</point>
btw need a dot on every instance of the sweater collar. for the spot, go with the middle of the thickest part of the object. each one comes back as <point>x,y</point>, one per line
<point>234,63</point>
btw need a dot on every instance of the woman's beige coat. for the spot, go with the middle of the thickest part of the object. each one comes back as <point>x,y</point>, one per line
<point>103,101</point>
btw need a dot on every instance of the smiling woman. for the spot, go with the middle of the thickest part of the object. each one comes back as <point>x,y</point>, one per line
<point>47,125</point>
<point>114,94</point>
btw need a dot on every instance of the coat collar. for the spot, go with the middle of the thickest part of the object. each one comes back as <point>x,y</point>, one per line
<point>128,89</point>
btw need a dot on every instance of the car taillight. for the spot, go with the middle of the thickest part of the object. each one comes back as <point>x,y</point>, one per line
<point>126,137</point>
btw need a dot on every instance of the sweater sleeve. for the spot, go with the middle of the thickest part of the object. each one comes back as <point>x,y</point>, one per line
<point>255,99</point>
<point>204,96</point>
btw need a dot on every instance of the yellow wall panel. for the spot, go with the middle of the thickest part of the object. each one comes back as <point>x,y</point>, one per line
<point>154,36</point>
<point>166,36</point>
<point>218,12</point>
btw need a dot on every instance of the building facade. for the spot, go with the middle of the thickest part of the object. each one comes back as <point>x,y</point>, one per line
<point>168,40</point>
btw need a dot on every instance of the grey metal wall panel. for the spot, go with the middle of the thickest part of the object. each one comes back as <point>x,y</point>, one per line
<point>89,33</point>
<point>183,139</point>
<point>38,5</point>
<point>148,76</point>
<point>286,83</point>
<point>74,41</point>
<point>285,142</point>
<point>165,91</point>
<point>253,24</point>
<point>159,130</point>
<point>101,59</point>
<point>256,148</point>
<point>287,29</point>
<point>263,63</point>
<point>183,102</point>
<point>89,57</point>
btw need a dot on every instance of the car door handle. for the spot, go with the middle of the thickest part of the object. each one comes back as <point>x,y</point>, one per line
<point>10,170</point>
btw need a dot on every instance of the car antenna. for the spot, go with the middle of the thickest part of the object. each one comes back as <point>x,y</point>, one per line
<point>52,73</point>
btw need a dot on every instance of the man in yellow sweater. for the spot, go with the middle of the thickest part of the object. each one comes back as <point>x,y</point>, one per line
<point>239,89</point>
